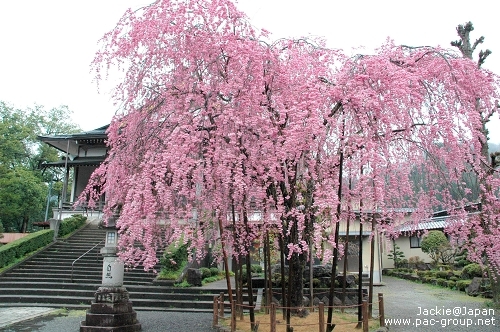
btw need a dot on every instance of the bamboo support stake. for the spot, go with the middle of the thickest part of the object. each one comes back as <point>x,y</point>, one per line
<point>321,314</point>
<point>215,321</point>
<point>381,312</point>
<point>233,316</point>
<point>272,315</point>
<point>365,316</point>
<point>221,305</point>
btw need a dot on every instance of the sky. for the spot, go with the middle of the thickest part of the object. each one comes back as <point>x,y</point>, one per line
<point>46,47</point>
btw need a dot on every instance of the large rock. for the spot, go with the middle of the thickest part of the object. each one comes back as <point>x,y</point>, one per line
<point>474,288</point>
<point>350,280</point>
<point>319,271</point>
<point>194,277</point>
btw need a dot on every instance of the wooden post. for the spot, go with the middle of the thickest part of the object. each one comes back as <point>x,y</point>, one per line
<point>221,305</point>
<point>365,316</point>
<point>272,316</point>
<point>215,321</point>
<point>321,317</point>
<point>233,316</point>
<point>381,312</point>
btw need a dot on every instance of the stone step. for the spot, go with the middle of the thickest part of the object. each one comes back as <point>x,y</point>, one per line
<point>45,279</point>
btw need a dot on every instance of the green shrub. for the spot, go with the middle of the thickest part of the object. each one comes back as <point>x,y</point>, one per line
<point>451,284</point>
<point>256,268</point>
<point>21,247</point>
<point>462,284</point>
<point>174,258</point>
<point>442,282</point>
<point>415,261</point>
<point>214,271</point>
<point>205,272</point>
<point>427,280</point>
<point>462,262</point>
<point>397,256</point>
<point>210,279</point>
<point>443,274</point>
<point>71,224</point>
<point>472,270</point>
<point>454,278</point>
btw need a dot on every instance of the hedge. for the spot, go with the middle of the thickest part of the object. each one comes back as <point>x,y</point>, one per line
<point>21,247</point>
<point>71,224</point>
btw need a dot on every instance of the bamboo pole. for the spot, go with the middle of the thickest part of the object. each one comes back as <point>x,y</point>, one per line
<point>321,317</point>
<point>381,312</point>
<point>215,320</point>
<point>365,316</point>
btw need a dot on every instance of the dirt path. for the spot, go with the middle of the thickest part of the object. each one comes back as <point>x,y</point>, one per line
<point>431,308</point>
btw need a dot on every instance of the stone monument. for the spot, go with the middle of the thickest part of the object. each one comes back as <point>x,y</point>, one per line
<point>111,309</point>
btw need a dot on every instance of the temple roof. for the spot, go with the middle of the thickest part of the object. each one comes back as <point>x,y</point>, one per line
<point>70,142</point>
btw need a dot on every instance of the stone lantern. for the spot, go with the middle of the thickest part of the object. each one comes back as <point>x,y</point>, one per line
<point>111,309</point>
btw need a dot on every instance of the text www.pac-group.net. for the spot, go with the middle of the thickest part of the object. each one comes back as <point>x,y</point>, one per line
<point>445,317</point>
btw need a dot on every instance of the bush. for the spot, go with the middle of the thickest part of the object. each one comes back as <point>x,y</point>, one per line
<point>205,272</point>
<point>397,256</point>
<point>444,274</point>
<point>214,271</point>
<point>415,261</point>
<point>451,284</point>
<point>174,258</point>
<point>461,262</point>
<point>256,268</point>
<point>442,282</point>
<point>462,284</point>
<point>21,247</point>
<point>427,280</point>
<point>472,270</point>
<point>71,224</point>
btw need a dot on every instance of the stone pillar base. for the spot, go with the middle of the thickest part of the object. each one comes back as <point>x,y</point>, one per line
<point>111,311</point>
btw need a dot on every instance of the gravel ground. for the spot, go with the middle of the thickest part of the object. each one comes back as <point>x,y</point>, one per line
<point>409,300</point>
<point>417,304</point>
<point>151,321</point>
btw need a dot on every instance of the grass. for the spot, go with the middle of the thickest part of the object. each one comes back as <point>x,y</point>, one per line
<point>172,275</point>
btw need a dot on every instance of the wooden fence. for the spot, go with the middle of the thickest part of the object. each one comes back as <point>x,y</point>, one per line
<point>219,306</point>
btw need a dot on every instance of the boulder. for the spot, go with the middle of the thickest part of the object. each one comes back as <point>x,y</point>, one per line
<point>474,287</point>
<point>194,277</point>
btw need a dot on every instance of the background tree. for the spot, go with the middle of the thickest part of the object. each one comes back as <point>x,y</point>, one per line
<point>437,246</point>
<point>22,198</point>
<point>480,236</point>
<point>23,192</point>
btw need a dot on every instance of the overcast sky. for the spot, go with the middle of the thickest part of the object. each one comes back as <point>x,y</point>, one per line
<point>47,45</point>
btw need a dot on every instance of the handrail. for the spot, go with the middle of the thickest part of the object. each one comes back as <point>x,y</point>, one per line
<point>73,264</point>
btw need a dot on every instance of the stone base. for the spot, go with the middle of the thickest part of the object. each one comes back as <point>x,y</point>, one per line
<point>111,311</point>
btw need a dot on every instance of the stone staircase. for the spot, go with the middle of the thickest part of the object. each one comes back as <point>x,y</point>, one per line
<point>46,279</point>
